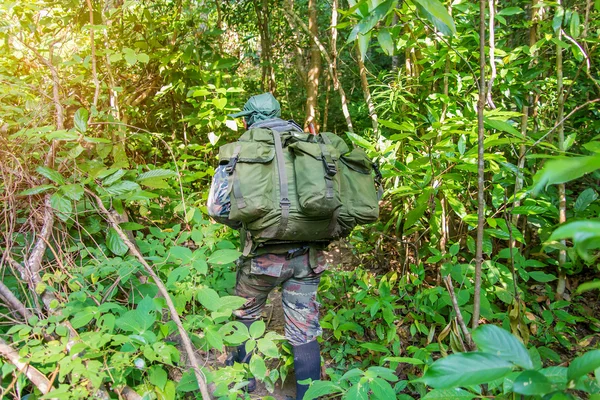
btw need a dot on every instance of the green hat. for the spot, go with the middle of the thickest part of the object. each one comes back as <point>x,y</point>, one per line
<point>259,108</point>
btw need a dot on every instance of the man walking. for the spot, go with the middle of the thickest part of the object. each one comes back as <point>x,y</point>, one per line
<point>296,267</point>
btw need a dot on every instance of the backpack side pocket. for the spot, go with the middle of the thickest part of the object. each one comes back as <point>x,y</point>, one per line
<point>360,203</point>
<point>317,178</point>
<point>249,166</point>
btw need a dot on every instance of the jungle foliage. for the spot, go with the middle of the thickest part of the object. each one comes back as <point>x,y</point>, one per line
<point>115,283</point>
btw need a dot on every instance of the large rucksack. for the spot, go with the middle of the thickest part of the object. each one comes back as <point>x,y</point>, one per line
<point>297,187</point>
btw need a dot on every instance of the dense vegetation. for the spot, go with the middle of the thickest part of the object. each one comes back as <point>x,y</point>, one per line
<point>479,280</point>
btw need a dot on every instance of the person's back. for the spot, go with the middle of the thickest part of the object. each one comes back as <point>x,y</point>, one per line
<point>295,266</point>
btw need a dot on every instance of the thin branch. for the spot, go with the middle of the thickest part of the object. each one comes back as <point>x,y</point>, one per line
<point>187,343</point>
<point>492,46</point>
<point>35,376</point>
<point>461,322</point>
<point>13,302</point>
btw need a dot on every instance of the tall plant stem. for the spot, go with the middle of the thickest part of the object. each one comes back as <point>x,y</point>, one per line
<point>562,201</point>
<point>93,47</point>
<point>314,69</point>
<point>480,169</point>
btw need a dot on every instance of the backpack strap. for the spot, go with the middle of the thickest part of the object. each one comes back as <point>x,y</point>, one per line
<point>328,165</point>
<point>284,200</point>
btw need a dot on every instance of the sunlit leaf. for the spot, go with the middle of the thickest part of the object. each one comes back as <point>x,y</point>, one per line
<point>437,14</point>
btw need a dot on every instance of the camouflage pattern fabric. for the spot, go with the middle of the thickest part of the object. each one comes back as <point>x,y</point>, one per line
<point>219,204</point>
<point>299,278</point>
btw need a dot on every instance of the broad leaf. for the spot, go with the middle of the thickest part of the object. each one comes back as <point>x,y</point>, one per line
<point>449,394</point>
<point>385,41</point>
<point>224,256</point>
<point>122,187</point>
<point>156,173</point>
<point>157,376</point>
<point>532,383</point>
<point>115,243</point>
<point>321,388</point>
<point>258,367</point>
<point>583,365</point>
<point>257,329</point>
<point>36,190</point>
<point>437,14</point>
<point>139,320</point>
<point>494,340</point>
<point>465,369</point>
<point>585,198</point>
<point>73,192</point>
<point>51,174</point>
<point>381,389</point>
<point>561,170</point>
<point>209,298</point>
<point>80,120</point>
<point>61,205</point>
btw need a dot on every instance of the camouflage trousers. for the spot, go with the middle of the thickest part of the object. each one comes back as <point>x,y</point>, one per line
<point>298,272</point>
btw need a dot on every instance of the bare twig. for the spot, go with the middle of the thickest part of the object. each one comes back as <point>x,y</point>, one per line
<point>492,41</point>
<point>187,343</point>
<point>461,322</point>
<point>13,302</point>
<point>35,376</point>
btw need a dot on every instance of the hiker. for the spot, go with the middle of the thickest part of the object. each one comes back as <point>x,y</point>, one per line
<point>296,267</point>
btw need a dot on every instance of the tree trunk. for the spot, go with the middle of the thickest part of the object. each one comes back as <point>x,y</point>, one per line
<point>314,69</point>
<point>262,18</point>
<point>480,169</point>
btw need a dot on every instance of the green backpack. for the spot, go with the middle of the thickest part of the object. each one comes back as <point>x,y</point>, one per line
<point>297,187</point>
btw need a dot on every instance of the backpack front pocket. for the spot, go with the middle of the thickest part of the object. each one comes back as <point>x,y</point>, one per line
<point>360,200</point>
<point>317,178</point>
<point>251,175</point>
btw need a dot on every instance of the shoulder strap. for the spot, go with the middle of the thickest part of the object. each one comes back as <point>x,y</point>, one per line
<point>284,200</point>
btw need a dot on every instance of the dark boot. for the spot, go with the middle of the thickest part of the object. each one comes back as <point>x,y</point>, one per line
<point>307,364</point>
<point>239,355</point>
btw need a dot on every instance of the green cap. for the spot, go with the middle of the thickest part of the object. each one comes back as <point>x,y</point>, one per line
<point>259,108</point>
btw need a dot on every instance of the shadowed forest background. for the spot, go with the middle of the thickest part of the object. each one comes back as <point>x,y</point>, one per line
<point>478,281</point>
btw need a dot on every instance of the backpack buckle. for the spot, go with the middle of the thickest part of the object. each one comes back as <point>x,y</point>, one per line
<point>330,167</point>
<point>285,202</point>
<point>231,165</point>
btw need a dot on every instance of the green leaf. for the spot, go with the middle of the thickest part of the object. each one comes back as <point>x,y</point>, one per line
<point>268,347</point>
<point>51,174</point>
<point>157,376</point>
<point>122,187</point>
<point>115,244</point>
<point>584,287</point>
<point>257,329</point>
<point>363,43</point>
<point>155,183</point>
<point>112,178</point>
<point>529,210</point>
<point>437,14</point>
<point>224,256</point>
<point>82,318</point>
<point>574,28</point>
<point>129,56</point>
<point>209,298</point>
<point>220,103</point>
<point>510,11</point>
<point>80,120</point>
<point>449,394</point>
<point>258,367</point>
<point>465,369</point>
<point>503,126</point>
<point>156,173</point>
<point>564,169</point>
<point>382,389</point>
<point>36,190</point>
<point>214,338</point>
<point>408,360</point>
<point>583,365</point>
<point>188,382</point>
<point>360,141</point>
<point>231,303</point>
<point>73,192</point>
<point>385,41</point>
<point>585,198</point>
<point>142,57</point>
<point>321,388</point>
<point>494,340</point>
<point>139,320</point>
<point>540,276</point>
<point>61,205</point>
<point>532,383</point>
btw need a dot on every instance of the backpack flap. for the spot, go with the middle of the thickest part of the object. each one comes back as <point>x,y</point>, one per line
<point>249,162</point>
